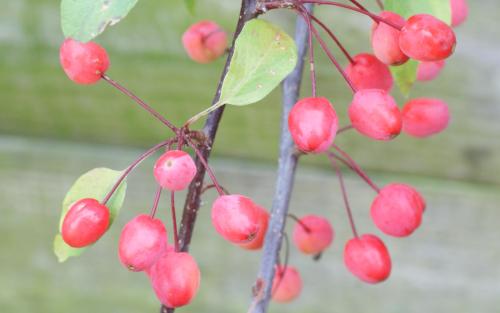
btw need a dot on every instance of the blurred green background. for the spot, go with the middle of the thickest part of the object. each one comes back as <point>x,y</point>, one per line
<point>51,131</point>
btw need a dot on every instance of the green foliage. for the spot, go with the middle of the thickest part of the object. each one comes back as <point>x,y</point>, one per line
<point>84,20</point>
<point>190,5</point>
<point>405,75</point>
<point>94,184</point>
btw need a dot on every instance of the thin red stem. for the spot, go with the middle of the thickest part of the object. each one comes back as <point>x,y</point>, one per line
<point>344,129</point>
<point>312,68</point>
<point>359,5</point>
<point>296,219</point>
<point>207,187</point>
<point>132,166</point>
<point>344,195</point>
<point>174,220</point>
<point>155,202</point>
<point>139,101</point>
<point>356,170</point>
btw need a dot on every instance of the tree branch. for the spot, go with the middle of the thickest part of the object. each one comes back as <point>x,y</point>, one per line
<point>286,173</point>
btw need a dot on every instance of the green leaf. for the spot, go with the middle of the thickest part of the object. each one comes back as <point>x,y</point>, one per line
<point>84,20</point>
<point>264,55</point>
<point>190,5</point>
<point>94,184</point>
<point>405,75</point>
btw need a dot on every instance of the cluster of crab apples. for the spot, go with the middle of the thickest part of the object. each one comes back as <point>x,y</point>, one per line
<point>397,209</point>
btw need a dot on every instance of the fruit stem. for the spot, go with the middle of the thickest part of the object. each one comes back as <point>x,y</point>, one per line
<point>174,220</point>
<point>359,5</point>
<point>207,187</point>
<point>143,104</point>
<point>380,4</point>
<point>133,165</point>
<point>312,69</point>
<point>344,129</point>
<point>344,195</point>
<point>155,202</point>
<point>334,38</point>
<point>296,219</point>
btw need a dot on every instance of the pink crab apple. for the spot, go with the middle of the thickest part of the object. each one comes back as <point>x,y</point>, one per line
<point>313,124</point>
<point>427,71</point>
<point>205,41</point>
<point>374,113</point>
<point>236,218</point>
<point>175,170</point>
<point>385,40</point>
<point>258,241</point>
<point>424,117</point>
<point>459,12</point>
<point>142,241</point>
<point>84,63</point>
<point>175,278</point>
<point>426,38</point>
<point>85,222</point>
<point>287,284</point>
<point>397,210</point>
<point>368,259</point>
<point>368,72</point>
<point>312,234</point>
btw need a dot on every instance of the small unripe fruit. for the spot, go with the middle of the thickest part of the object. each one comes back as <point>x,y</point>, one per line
<point>313,124</point>
<point>205,41</point>
<point>312,234</point>
<point>397,210</point>
<point>367,72</point>
<point>385,40</point>
<point>429,70</point>
<point>368,259</point>
<point>84,63</point>
<point>374,113</point>
<point>236,218</point>
<point>142,241</point>
<point>425,38</point>
<point>174,170</point>
<point>287,284</point>
<point>425,117</point>
<point>459,12</point>
<point>258,241</point>
<point>85,222</point>
<point>175,278</point>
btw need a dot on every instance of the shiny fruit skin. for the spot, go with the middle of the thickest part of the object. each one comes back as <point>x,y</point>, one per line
<point>84,63</point>
<point>85,222</point>
<point>424,117</point>
<point>385,40</point>
<point>368,72</point>
<point>317,237</point>
<point>287,284</point>
<point>204,41</point>
<point>258,241</point>
<point>175,170</point>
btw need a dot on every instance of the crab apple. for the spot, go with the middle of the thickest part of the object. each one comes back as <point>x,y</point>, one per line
<point>205,41</point>
<point>258,241</point>
<point>424,117</point>
<point>397,210</point>
<point>459,12</point>
<point>368,72</point>
<point>142,241</point>
<point>236,218</point>
<point>313,124</point>
<point>368,259</point>
<point>312,234</point>
<point>287,284</point>
<point>175,278</point>
<point>426,38</point>
<point>385,40</point>
<point>84,63</point>
<point>429,70</point>
<point>374,113</point>
<point>85,222</point>
<point>175,170</point>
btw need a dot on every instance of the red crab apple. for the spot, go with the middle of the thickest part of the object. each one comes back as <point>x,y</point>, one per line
<point>429,70</point>
<point>205,41</point>
<point>287,284</point>
<point>84,63</point>
<point>313,124</point>
<point>368,72</point>
<point>312,234</point>
<point>385,40</point>
<point>236,218</point>
<point>175,278</point>
<point>142,241</point>
<point>174,170</point>
<point>374,113</point>
<point>424,117</point>
<point>258,241</point>
<point>426,38</point>
<point>397,210</point>
<point>459,12</point>
<point>368,259</point>
<point>85,222</point>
